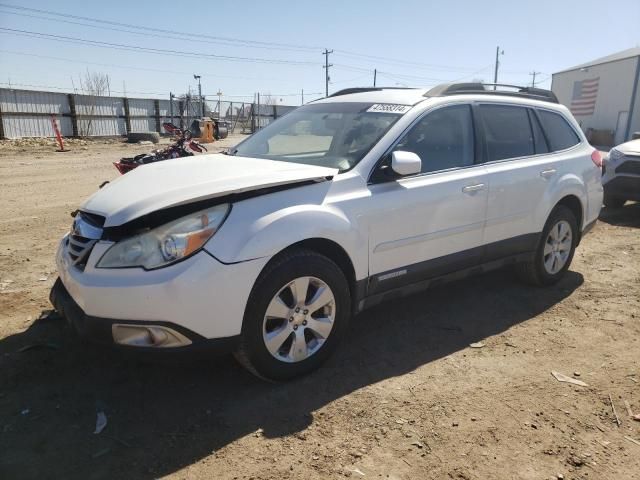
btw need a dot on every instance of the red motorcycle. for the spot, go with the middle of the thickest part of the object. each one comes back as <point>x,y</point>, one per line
<point>184,146</point>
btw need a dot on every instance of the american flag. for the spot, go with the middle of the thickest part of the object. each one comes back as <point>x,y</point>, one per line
<point>585,94</point>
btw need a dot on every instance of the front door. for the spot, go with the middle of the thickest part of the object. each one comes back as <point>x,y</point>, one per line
<point>429,224</point>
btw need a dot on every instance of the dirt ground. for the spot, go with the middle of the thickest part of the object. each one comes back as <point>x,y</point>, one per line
<point>406,397</point>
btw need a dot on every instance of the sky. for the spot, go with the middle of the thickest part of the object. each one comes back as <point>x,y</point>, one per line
<point>149,49</point>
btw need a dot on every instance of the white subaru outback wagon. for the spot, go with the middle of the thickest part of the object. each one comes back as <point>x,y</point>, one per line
<point>366,195</point>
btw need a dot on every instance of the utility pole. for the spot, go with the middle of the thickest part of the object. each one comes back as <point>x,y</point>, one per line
<point>171,105</point>
<point>302,97</point>
<point>495,73</point>
<point>197,77</point>
<point>375,73</point>
<point>326,70</point>
<point>533,74</point>
<point>219,94</point>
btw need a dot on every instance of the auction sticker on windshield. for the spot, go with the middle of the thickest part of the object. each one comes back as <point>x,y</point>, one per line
<point>389,108</point>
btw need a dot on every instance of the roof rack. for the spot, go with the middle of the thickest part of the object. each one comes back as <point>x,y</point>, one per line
<point>475,88</point>
<point>348,91</point>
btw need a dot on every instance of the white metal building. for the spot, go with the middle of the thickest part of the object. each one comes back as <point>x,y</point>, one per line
<point>603,94</point>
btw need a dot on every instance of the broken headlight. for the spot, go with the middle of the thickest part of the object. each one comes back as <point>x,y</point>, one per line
<point>168,243</point>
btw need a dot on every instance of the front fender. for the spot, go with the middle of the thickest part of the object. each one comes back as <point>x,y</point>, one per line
<point>254,230</point>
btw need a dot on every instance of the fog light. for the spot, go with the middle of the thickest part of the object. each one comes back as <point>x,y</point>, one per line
<point>148,336</point>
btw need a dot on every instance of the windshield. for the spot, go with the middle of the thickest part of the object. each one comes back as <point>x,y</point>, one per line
<point>336,135</point>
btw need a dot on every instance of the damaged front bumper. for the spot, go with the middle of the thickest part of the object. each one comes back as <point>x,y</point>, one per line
<point>154,335</point>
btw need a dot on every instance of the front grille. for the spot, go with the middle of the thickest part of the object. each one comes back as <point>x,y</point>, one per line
<point>79,249</point>
<point>630,166</point>
<point>85,233</point>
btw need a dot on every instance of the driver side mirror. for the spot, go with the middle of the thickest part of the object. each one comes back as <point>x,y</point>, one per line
<point>405,163</point>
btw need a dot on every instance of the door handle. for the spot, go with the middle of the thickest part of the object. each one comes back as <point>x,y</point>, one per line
<point>548,173</point>
<point>473,188</point>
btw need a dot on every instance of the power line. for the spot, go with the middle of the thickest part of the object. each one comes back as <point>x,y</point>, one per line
<point>426,66</point>
<point>158,51</point>
<point>159,30</point>
<point>181,37</point>
<point>411,77</point>
<point>51,87</point>
<point>205,38</point>
<point>131,67</point>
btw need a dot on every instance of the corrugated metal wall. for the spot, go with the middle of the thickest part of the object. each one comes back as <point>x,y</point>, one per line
<point>27,113</point>
<point>35,109</point>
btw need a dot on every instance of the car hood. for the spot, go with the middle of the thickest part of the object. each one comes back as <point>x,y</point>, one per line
<point>632,147</point>
<point>181,181</point>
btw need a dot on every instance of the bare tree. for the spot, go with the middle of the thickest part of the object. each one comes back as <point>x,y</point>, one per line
<point>93,84</point>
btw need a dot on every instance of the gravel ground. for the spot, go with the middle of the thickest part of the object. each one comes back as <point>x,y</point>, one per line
<point>405,397</point>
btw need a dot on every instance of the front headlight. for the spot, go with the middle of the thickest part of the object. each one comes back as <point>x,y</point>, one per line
<point>168,243</point>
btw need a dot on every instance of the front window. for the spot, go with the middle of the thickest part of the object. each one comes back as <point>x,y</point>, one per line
<point>336,135</point>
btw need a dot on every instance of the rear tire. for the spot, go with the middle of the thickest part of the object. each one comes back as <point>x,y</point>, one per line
<point>555,249</point>
<point>278,320</point>
<point>135,137</point>
<point>611,201</point>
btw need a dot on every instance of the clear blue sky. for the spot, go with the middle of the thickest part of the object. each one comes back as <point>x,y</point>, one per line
<point>420,43</point>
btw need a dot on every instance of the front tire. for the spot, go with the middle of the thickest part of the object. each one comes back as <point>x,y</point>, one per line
<point>555,249</point>
<point>296,314</point>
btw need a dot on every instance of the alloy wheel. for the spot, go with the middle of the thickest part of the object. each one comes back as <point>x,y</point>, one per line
<point>299,319</point>
<point>557,247</point>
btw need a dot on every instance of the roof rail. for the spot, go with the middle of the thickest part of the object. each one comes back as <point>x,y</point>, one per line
<point>348,91</point>
<point>475,88</point>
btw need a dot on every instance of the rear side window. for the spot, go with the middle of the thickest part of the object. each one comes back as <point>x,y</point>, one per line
<point>559,133</point>
<point>507,132</point>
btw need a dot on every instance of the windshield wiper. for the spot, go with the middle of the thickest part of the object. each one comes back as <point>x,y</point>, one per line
<point>230,152</point>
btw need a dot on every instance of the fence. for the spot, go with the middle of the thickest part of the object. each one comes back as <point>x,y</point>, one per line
<point>27,113</point>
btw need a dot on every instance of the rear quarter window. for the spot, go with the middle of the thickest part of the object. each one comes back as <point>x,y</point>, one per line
<point>507,131</point>
<point>559,133</point>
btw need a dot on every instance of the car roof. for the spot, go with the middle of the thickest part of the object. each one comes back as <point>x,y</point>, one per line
<point>400,96</point>
<point>468,91</point>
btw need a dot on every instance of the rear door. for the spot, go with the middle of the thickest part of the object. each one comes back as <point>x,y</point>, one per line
<point>429,224</point>
<point>521,171</point>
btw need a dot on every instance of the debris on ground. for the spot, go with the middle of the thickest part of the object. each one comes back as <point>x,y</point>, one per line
<point>632,440</point>
<point>101,423</point>
<point>615,414</point>
<point>476,345</point>
<point>628,407</point>
<point>566,379</point>
<point>575,460</point>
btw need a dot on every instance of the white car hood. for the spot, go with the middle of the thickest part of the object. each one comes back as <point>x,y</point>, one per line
<point>186,180</point>
<point>632,147</point>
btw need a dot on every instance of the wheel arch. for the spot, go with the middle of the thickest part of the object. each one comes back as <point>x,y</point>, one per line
<point>330,249</point>
<point>573,203</point>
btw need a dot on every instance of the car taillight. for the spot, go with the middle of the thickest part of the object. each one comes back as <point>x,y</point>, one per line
<point>596,158</point>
